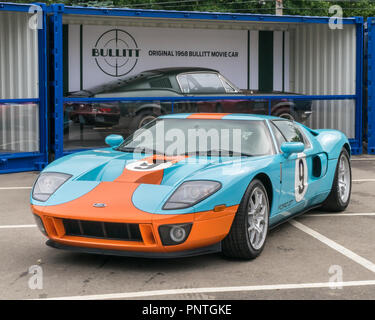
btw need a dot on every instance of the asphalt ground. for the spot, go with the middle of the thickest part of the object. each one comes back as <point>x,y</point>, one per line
<point>315,256</point>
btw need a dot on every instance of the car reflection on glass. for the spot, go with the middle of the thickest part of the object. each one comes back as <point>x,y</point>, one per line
<point>176,82</point>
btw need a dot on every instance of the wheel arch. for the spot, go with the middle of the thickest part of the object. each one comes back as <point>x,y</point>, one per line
<point>150,107</point>
<point>281,105</point>
<point>265,179</point>
<point>347,147</point>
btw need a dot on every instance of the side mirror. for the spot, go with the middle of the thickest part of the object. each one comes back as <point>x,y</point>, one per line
<point>114,140</point>
<point>292,147</point>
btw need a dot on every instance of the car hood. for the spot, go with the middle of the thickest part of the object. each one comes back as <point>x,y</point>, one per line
<point>109,165</point>
<point>155,176</point>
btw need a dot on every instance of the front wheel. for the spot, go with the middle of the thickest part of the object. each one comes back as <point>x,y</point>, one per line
<point>247,236</point>
<point>339,196</point>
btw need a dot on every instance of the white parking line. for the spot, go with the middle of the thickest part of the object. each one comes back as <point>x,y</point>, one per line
<point>363,159</point>
<point>340,214</point>
<point>14,226</point>
<point>334,245</point>
<point>363,180</point>
<point>154,293</point>
<point>15,188</point>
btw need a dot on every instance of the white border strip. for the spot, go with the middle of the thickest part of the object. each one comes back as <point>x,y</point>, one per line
<point>14,226</point>
<point>154,293</point>
<point>254,60</point>
<point>15,188</point>
<point>363,180</point>
<point>334,245</point>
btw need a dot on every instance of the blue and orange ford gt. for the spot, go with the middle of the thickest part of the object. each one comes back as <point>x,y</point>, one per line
<point>188,184</point>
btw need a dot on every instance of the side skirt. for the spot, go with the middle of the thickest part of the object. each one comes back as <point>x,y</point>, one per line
<point>294,216</point>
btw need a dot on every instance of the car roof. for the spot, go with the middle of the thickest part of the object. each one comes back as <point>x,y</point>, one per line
<point>141,76</point>
<point>219,116</point>
<point>176,70</point>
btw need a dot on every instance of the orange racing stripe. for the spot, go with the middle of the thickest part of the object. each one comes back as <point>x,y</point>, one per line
<point>148,177</point>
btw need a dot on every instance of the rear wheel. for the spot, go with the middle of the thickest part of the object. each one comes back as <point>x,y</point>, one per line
<point>143,118</point>
<point>286,113</point>
<point>247,236</point>
<point>339,197</point>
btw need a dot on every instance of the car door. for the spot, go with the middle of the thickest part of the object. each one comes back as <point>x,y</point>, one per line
<point>295,170</point>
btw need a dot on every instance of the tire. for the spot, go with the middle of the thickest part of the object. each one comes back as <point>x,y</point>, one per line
<point>238,243</point>
<point>286,113</point>
<point>338,199</point>
<point>143,118</point>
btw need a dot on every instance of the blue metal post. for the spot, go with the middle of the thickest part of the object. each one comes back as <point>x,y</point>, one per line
<point>43,90</point>
<point>57,53</point>
<point>371,85</point>
<point>357,147</point>
<point>269,106</point>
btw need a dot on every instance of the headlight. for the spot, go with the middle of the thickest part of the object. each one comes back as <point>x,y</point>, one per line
<point>47,184</point>
<point>190,193</point>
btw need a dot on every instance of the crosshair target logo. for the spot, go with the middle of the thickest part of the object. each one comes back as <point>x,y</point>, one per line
<point>116,52</point>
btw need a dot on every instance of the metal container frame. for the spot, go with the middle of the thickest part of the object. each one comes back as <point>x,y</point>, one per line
<point>31,161</point>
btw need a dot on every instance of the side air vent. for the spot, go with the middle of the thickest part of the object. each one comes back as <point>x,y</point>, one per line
<point>317,167</point>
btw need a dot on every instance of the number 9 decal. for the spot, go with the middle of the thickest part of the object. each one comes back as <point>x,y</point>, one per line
<point>301,172</point>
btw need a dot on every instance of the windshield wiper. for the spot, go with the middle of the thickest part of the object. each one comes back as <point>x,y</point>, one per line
<point>229,153</point>
<point>139,150</point>
<point>131,149</point>
<point>213,152</point>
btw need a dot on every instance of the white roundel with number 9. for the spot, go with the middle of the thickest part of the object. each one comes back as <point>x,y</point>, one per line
<point>301,172</point>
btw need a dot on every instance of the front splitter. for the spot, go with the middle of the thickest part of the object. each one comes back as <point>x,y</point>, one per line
<point>136,254</point>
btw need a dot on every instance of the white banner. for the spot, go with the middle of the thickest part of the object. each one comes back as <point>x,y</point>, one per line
<point>109,52</point>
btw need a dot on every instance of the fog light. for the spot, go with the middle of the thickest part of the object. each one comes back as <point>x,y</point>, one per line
<point>177,233</point>
<point>40,224</point>
<point>174,234</point>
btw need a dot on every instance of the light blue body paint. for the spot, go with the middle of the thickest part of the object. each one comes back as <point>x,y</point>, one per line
<point>90,168</point>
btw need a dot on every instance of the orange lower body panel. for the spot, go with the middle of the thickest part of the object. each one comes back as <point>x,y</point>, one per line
<point>208,227</point>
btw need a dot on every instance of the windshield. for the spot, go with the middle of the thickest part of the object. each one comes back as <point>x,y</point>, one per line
<point>204,82</point>
<point>203,137</point>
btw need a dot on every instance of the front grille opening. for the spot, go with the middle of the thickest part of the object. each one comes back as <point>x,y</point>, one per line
<point>92,229</point>
<point>102,230</point>
<point>71,227</point>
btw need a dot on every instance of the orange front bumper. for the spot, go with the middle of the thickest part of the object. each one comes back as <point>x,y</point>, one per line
<point>208,228</point>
